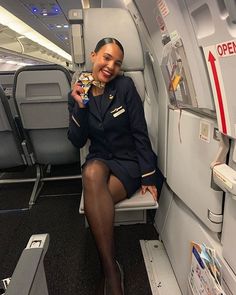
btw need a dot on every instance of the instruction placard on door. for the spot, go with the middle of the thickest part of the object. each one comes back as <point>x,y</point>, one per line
<point>218,89</point>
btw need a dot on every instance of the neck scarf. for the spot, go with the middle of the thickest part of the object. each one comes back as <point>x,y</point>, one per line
<point>87,81</point>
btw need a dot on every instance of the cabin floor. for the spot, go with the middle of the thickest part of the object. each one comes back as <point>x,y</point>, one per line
<point>71,263</point>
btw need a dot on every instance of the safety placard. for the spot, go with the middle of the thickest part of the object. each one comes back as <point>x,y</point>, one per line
<point>218,89</point>
<point>205,131</point>
<point>227,48</point>
<point>164,10</point>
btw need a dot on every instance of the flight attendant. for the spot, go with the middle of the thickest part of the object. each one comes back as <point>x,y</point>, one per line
<point>106,108</point>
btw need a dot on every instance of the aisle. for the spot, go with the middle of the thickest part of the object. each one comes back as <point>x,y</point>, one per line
<point>71,262</point>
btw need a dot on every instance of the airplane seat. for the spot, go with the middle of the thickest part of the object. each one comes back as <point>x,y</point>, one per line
<point>7,81</point>
<point>41,94</point>
<point>119,24</point>
<point>15,152</point>
<point>11,150</point>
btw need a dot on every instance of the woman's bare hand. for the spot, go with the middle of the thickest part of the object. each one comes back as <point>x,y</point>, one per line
<point>152,189</point>
<point>76,94</point>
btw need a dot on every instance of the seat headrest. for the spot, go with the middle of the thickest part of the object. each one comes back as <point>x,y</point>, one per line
<point>116,23</point>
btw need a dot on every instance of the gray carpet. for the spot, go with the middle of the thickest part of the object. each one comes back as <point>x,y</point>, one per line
<point>71,263</point>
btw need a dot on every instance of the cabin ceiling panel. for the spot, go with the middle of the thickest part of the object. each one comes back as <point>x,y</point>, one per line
<point>69,4</point>
<point>21,9</point>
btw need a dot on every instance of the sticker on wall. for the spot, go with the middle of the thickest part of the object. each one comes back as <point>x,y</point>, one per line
<point>205,131</point>
<point>161,23</point>
<point>218,89</point>
<point>163,7</point>
<point>174,36</point>
<point>227,48</point>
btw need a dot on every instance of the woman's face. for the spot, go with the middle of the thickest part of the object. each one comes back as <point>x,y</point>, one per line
<point>107,62</point>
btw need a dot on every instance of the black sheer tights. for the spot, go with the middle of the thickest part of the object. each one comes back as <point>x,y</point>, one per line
<point>101,191</point>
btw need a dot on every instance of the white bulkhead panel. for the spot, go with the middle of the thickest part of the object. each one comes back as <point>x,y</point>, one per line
<point>215,29</point>
<point>165,203</point>
<point>229,236</point>
<point>181,227</point>
<point>229,222</point>
<point>191,149</point>
<point>146,18</point>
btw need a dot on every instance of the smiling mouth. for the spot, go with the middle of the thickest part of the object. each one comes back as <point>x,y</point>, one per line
<point>107,74</point>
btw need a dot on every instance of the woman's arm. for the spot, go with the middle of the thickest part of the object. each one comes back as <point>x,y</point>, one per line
<point>78,118</point>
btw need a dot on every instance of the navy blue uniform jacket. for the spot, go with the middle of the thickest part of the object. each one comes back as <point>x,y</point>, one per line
<point>118,132</point>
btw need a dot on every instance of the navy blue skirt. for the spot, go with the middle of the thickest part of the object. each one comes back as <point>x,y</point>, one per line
<point>131,184</point>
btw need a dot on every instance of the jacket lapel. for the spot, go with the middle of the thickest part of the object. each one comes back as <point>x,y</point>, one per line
<point>107,99</point>
<point>94,110</point>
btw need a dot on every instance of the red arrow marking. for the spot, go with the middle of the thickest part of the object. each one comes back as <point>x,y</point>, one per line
<point>212,59</point>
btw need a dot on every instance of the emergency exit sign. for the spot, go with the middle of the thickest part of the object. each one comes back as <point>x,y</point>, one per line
<point>227,48</point>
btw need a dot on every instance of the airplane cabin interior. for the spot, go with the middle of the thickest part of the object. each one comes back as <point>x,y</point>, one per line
<point>181,55</point>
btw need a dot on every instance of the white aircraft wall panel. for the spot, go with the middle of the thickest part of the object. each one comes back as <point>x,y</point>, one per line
<point>182,227</point>
<point>229,222</point>
<point>151,115</point>
<point>215,30</point>
<point>188,165</point>
<point>228,232</point>
<point>164,201</point>
<point>149,14</point>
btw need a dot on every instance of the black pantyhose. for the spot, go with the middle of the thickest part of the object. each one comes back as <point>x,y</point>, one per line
<point>101,191</point>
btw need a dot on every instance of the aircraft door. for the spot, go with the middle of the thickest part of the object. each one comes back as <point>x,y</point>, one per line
<point>214,24</point>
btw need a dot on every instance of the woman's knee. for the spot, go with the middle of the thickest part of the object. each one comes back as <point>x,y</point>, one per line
<point>95,172</point>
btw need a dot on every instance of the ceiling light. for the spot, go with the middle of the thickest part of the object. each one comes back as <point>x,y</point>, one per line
<point>66,38</point>
<point>44,12</point>
<point>11,62</point>
<point>15,24</point>
<point>59,26</point>
<point>66,26</point>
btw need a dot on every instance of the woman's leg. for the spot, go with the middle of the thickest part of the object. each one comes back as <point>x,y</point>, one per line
<point>101,192</point>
